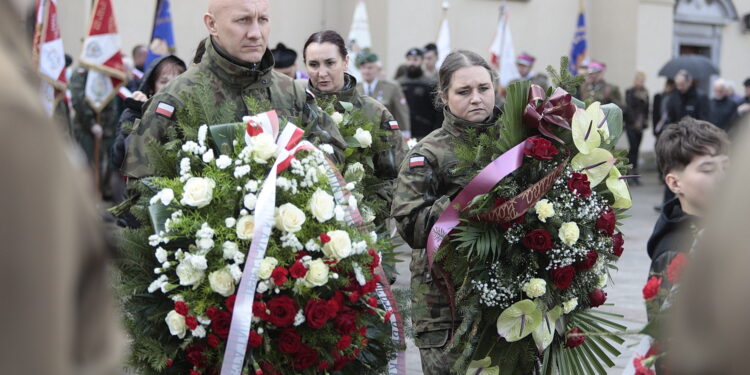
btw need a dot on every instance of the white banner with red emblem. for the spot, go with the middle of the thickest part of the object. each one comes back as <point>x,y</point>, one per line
<point>101,54</point>
<point>49,54</point>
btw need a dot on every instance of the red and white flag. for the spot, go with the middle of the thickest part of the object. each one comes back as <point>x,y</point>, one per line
<point>49,55</point>
<point>101,54</point>
<point>502,53</point>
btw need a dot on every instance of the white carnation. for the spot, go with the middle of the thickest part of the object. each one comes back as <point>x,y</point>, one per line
<point>236,272</point>
<point>161,255</point>
<point>337,118</point>
<point>165,196</point>
<point>229,249</point>
<point>230,222</point>
<point>208,156</point>
<point>188,274</point>
<point>535,288</point>
<point>570,305</point>
<point>199,332</point>
<point>544,210</point>
<point>569,233</point>
<point>202,132</point>
<point>328,149</point>
<point>252,186</point>
<point>223,162</point>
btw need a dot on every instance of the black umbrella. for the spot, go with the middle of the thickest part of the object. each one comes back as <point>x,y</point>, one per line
<point>698,66</point>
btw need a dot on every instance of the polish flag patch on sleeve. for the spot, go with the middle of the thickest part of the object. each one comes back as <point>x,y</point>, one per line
<point>164,109</point>
<point>416,161</point>
<point>393,125</point>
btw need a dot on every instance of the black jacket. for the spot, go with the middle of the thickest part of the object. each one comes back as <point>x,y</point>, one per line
<point>692,103</point>
<point>419,92</point>
<point>722,112</point>
<point>673,234</point>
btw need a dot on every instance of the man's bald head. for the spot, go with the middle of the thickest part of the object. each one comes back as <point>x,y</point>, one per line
<point>240,27</point>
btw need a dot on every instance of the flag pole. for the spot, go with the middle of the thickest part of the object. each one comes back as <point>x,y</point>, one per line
<point>97,146</point>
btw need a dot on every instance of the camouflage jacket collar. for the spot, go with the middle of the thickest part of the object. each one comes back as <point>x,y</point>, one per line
<point>457,127</point>
<point>348,93</point>
<point>234,72</point>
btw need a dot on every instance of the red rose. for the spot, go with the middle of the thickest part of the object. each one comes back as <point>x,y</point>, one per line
<point>651,289</point>
<point>195,372</point>
<point>255,339</point>
<point>597,298</point>
<point>268,369</point>
<point>259,310</point>
<point>317,313</point>
<point>572,340</point>
<point>334,306</point>
<point>675,268</point>
<point>588,262</point>
<point>579,184</point>
<point>220,323</point>
<point>563,277</point>
<point>195,355</point>
<point>290,341</point>
<point>324,238</point>
<point>229,302</point>
<point>306,358</point>
<point>298,270</point>
<point>538,239</point>
<point>617,244</point>
<point>345,323</point>
<point>181,308</point>
<point>212,340</point>
<point>606,221</point>
<point>279,275</point>
<point>344,342</point>
<point>282,311</point>
<point>191,322</point>
<point>540,148</point>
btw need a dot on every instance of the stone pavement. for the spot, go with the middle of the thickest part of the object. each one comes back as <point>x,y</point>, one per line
<point>626,284</point>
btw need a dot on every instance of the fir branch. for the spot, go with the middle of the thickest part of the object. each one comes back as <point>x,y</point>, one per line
<point>564,79</point>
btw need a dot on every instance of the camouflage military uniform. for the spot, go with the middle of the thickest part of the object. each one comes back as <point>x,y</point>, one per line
<point>602,92</point>
<point>539,79</point>
<point>387,162</point>
<point>221,80</point>
<point>390,94</point>
<point>425,186</point>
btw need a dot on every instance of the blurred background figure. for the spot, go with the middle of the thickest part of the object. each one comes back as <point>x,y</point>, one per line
<point>686,100</point>
<point>285,62</point>
<point>525,66</point>
<point>59,312</point>
<point>636,118</point>
<point>659,109</point>
<point>140,52</point>
<point>744,108</point>
<point>419,92</point>
<point>385,91</point>
<point>429,64</point>
<point>722,110</point>
<point>596,89</point>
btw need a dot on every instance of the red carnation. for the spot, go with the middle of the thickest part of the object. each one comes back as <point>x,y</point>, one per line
<point>191,322</point>
<point>212,340</point>
<point>317,313</point>
<point>538,239</point>
<point>334,305</point>
<point>324,365</point>
<point>588,262</point>
<point>170,363</point>
<point>255,339</point>
<point>563,277</point>
<point>324,238</point>
<point>268,369</point>
<point>290,341</point>
<point>387,316</point>
<point>195,355</point>
<point>211,311</point>
<point>651,289</point>
<point>345,323</point>
<point>341,362</point>
<point>220,323</point>
<point>259,310</point>
<point>617,244</point>
<point>282,311</point>
<point>579,184</point>
<point>181,308</point>
<point>354,296</point>
<point>375,258</point>
<point>540,148</point>
<point>372,301</point>
<point>606,221</point>
<point>675,268</point>
<point>369,287</point>
<point>306,358</point>
<point>640,369</point>
<point>279,275</point>
<point>344,342</point>
<point>572,340</point>
<point>195,372</point>
<point>229,302</point>
<point>597,298</point>
<point>298,270</point>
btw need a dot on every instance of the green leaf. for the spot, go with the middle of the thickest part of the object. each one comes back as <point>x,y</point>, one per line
<point>347,106</point>
<point>519,320</point>
<point>614,122</point>
<point>352,142</point>
<point>512,130</point>
<point>482,367</point>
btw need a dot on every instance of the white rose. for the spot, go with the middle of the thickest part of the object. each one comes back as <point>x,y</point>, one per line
<point>363,137</point>
<point>221,282</point>
<point>569,233</point>
<point>317,273</point>
<point>570,305</point>
<point>535,288</point>
<point>544,210</point>
<point>245,227</point>
<point>340,245</point>
<point>322,205</point>
<point>266,267</point>
<point>198,192</point>
<point>337,118</point>
<point>230,248</point>
<point>289,218</point>
<point>250,201</point>
<point>223,161</point>
<point>176,324</point>
<point>188,274</point>
<point>264,147</point>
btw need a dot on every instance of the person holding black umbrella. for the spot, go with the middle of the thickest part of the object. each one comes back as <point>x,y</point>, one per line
<point>686,100</point>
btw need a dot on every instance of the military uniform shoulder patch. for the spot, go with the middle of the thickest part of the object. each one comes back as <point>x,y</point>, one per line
<point>164,109</point>
<point>416,161</point>
<point>393,125</point>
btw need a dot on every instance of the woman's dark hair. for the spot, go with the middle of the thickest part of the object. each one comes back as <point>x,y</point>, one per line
<point>326,36</point>
<point>170,61</point>
<point>455,61</point>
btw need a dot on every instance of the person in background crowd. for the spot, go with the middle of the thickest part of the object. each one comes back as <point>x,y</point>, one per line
<point>596,89</point>
<point>429,63</point>
<point>722,110</point>
<point>636,118</point>
<point>140,52</point>
<point>732,92</point>
<point>418,90</point>
<point>659,109</point>
<point>525,66</point>
<point>425,186</point>
<point>387,92</point>
<point>60,315</point>
<point>744,108</point>
<point>285,62</point>
<point>686,100</point>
